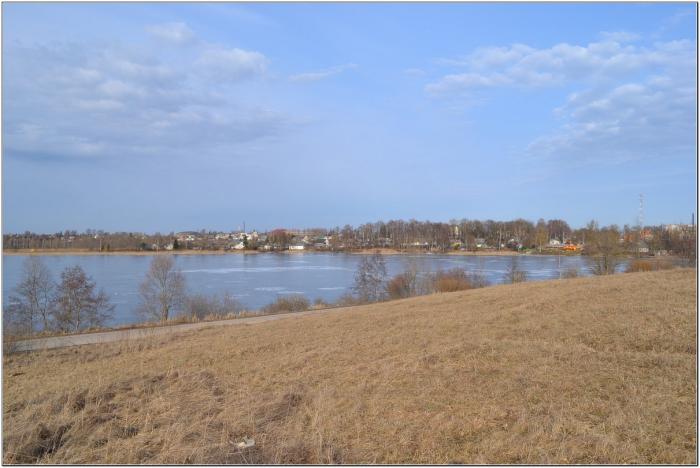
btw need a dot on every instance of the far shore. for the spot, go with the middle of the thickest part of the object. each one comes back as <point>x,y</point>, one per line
<point>382,251</point>
<point>123,252</point>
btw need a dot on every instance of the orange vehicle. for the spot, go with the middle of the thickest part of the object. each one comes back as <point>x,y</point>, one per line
<point>570,248</point>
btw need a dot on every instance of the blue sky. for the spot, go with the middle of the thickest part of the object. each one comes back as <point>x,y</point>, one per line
<point>167,117</point>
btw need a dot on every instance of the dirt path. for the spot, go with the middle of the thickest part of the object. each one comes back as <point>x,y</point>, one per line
<point>136,333</point>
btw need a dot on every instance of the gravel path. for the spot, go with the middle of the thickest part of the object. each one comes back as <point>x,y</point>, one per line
<point>136,333</point>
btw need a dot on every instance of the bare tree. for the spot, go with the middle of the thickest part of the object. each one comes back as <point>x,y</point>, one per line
<point>77,304</point>
<point>32,302</point>
<point>541,235</point>
<point>604,249</point>
<point>513,273</point>
<point>163,290</point>
<point>370,277</point>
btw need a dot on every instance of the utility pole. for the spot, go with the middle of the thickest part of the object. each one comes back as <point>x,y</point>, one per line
<point>559,260</point>
<point>640,220</point>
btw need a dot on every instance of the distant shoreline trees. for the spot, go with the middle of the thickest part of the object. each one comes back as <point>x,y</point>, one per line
<point>464,234</point>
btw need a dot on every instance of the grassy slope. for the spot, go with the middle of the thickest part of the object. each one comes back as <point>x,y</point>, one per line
<point>590,370</point>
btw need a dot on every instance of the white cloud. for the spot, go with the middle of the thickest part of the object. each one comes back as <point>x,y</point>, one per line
<point>523,66</point>
<point>175,33</point>
<point>99,104</point>
<point>620,36</point>
<point>414,72</point>
<point>322,74</point>
<point>118,88</point>
<point>92,101</point>
<point>232,64</point>
<point>634,102</point>
<point>632,121</point>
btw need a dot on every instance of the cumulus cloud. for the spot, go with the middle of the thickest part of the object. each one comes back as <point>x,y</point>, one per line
<point>175,33</point>
<point>634,102</point>
<point>631,121</point>
<point>232,64</point>
<point>80,100</point>
<point>520,65</point>
<point>322,74</point>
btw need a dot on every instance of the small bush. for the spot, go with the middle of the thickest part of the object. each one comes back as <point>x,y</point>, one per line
<point>663,265</point>
<point>199,306</point>
<point>639,265</point>
<point>347,300</point>
<point>477,279</point>
<point>570,273</point>
<point>451,280</point>
<point>401,286</point>
<point>295,303</point>
<point>604,264</point>
<point>513,273</point>
<point>648,265</point>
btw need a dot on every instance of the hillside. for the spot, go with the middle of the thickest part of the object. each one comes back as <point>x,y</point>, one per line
<point>588,370</point>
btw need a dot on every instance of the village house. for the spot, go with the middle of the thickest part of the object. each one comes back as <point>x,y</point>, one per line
<point>298,245</point>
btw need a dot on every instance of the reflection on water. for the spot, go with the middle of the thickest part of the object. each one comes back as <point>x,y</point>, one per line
<point>258,279</point>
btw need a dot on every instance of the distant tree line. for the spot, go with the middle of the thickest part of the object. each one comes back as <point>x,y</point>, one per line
<point>518,234</point>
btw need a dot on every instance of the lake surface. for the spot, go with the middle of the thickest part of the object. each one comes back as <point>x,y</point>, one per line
<point>257,280</point>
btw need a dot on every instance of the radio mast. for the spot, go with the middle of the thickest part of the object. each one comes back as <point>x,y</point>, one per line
<point>640,220</point>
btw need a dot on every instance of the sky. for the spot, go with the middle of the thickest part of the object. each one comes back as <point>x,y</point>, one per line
<point>168,117</point>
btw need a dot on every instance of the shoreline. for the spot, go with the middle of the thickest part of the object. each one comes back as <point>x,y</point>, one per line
<point>382,251</point>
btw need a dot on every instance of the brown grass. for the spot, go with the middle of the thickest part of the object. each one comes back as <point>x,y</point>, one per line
<point>587,370</point>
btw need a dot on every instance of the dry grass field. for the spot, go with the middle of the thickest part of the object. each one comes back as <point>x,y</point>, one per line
<point>586,370</point>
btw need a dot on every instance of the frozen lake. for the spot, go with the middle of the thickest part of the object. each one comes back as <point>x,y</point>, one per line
<point>258,279</point>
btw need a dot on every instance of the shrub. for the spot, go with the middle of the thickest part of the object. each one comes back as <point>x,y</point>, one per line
<point>403,285</point>
<point>200,306</point>
<point>477,279</point>
<point>294,303</point>
<point>451,280</point>
<point>570,273</point>
<point>663,265</point>
<point>648,265</point>
<point>639,265</point>
<point>513,273</point>
<point>347,300</point>
<point>604,264</point>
